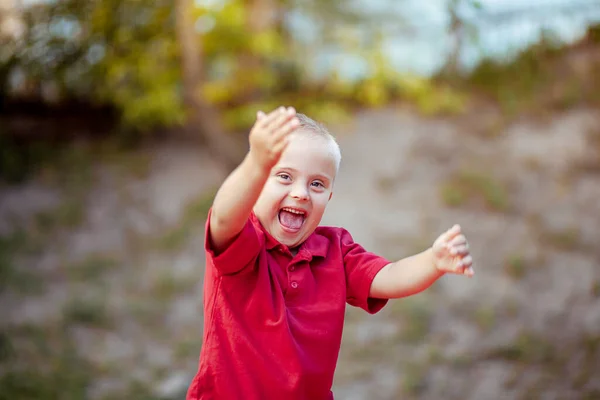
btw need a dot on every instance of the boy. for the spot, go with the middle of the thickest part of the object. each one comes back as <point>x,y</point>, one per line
<point>276,284</point>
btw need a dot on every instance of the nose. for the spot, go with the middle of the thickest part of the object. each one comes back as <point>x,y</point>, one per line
<point>299,192</point>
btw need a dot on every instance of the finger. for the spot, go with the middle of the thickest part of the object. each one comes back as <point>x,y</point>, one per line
<point>286,129</point>
<point>459,267</point>
<point>459,239</point>
<point>447,236</point>
<point>467,261</point>
<point>463,264</point>
<point>260,115</point>
<point>282,119</point>
<point>280,146</point>
<point>264,123</point>
<point>469,272</point>
<point>459,250</point>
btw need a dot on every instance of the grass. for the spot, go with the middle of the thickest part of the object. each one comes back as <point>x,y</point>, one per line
<point>6,347</point>
<point>591,163</point>
<point>167,286</point>
<point>416,315</point>
<point>596,289</point>
<point>13,277</point>
<point>513,377</point>
<point>90,312</point>
<point>494,128</point>
<point>540,79</point>
<point>67,215</point>
<point>515,267</point>
<point>414,378</point>
<point>175,238</point>
<point>526,348</point>
<point>386,183</point>
<point>68,164</point>
<point>92,268</point>
<point>511,308</point>
<point>132,163</point>
<point>467,185</point>
<point>186,347</point>
<point>195,212</point>
<point>567,239</point>
<point>135,390</point>
<point>43,364</point>
<point>485,318</point>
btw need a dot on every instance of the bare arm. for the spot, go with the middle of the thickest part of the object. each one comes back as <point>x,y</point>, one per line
<point>405,277</point>
<point>234,201</point>
<point>240,191</point>
<point>411,275</point>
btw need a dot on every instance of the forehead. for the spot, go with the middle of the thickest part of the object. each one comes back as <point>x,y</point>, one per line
<point>309,153</point>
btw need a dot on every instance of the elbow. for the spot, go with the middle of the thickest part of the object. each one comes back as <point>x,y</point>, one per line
<point>217,221</point>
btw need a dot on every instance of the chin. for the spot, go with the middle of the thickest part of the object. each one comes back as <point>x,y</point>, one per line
<point>290,241</point>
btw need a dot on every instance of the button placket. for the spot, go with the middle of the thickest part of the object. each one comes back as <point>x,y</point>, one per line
<point>293,274</point>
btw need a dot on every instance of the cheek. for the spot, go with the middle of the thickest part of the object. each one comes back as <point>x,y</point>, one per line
<point>271,195</point>
<point>319,203</point>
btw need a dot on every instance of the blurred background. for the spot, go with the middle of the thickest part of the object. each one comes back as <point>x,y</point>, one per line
<point>120,118</point>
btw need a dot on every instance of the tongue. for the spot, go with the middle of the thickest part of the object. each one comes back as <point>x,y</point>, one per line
<point>290,220</point>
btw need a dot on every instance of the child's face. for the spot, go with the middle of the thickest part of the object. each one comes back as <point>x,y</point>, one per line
<point>302,182</point>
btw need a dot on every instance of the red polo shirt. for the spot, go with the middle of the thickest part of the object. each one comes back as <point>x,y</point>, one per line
<point>272,321</point>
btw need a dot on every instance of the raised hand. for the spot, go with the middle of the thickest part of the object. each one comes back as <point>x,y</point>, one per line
<point>451,253</point>
<point>269,135</point>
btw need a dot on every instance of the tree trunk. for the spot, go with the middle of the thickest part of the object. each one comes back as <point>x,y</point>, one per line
<point>262,16</point>
<point>203,119</point>
<point>457,35</point>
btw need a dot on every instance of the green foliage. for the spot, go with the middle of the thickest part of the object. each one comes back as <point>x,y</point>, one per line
<point>13,277</point>
<point>90,311</point>
<point>568,239</point>
<point>125,53</point>
<point>515,267</point>
<point>485,318</point>
<point>42,364</point>
<point>417,316</point>
<point>195,212</point>
<point>469,184</point>
<point>527,348</point>
<point>167,286</point>
<point>541,77</point>
<point>92,268</point>
<point>414,380</point>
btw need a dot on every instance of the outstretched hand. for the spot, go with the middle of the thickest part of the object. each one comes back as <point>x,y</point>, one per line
<point>269,135</point>
<point>451,253</point>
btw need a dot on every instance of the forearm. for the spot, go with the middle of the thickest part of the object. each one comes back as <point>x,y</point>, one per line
<point>234,201</point>
<point>406,277</point>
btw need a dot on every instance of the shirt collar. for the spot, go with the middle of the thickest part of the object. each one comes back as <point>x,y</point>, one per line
<point>316,245</point>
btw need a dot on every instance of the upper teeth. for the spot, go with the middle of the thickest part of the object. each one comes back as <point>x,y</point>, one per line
<point>293,211</point>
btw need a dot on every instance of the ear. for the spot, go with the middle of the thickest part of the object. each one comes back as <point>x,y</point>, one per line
<point>330,194</point>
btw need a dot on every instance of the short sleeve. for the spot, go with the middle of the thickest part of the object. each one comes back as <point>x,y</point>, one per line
<point>361,267</point>
<point>242,251</point>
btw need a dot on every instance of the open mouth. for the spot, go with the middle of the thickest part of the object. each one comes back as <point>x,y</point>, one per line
<point>291,219</point>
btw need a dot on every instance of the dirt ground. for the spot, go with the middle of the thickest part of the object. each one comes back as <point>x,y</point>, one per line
<point>120,269</point>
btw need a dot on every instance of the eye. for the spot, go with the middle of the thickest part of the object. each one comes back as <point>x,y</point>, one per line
<point>318,184</point>
<point>284,176</point>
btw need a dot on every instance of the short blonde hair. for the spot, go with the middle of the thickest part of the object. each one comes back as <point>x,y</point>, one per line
<point>317,128</point>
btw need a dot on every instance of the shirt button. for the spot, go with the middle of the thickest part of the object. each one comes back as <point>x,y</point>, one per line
<point>294,285</point>
<point>292,268</point>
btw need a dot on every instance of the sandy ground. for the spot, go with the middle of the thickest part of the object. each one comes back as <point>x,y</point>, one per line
<point>526,326</point>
